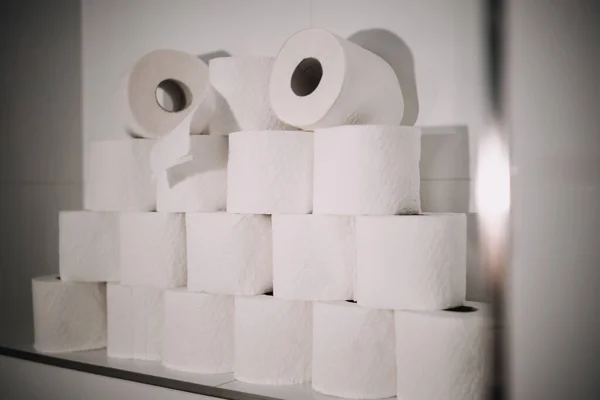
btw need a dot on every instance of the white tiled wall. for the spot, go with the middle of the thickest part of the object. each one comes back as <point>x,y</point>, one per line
<point>40,146</point>
<point>65,64</point>
<point>444,39</point>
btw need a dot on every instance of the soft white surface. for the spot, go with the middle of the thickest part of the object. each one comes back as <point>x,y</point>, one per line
<point>273,340</point>
<point>442,354</point>
<point>356,87</point>
<point>270,172</point>
<point>118,176</point>
<point>135,322</point>
<point>367,169</point>
<point>449,195</point>
<point>152,249</point>
<point>68,316</point>
<point>88,246</point>
<point>146,117</point>
<point>198,334</point>
<point>445,152</point>
<point>198,185</point>
<point>229,253</point>
<point>313,257</point>
<point>241,95</point>
<point>353,353</point>
<point>411,262</point>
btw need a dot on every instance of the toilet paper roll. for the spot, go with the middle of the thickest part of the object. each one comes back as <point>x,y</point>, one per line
<point>135,322</point>
<point>313,257</point>
<point>119,176</point>
<point>185,77</point>
<point>198,332</point>
<point>476,277</point>
<point>445,153</point>
<point>270,172</point>
<point>415,262</point>
<point>229,253</point>
<point>273,340</point>
<point>446,196</point>
<point>320,80</point>
<point>241,89</point>
<point>200,185</point>
<point>88,246</point>
<point>442,354</point>
<point>353,351</point>
<point>152,249</point>
<point>367,169</point>
<point>68,316</point>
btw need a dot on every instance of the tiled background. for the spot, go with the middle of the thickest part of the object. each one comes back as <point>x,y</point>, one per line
<point>60,90</point>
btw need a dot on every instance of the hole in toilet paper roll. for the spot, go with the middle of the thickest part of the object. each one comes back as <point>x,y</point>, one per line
<point>306,77</point>
<point>461,309</point>
<point>173,96</point>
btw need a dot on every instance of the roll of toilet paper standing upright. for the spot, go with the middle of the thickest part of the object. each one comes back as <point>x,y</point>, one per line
<point>321,80</point>
<point>135,322</point>
<point>198,335</point>
<point>119,176</point>
<point>185,77</point>
<point>412,262</point>
<point>443,354</point>
<point>273,340</point>
<point>229,253</point>
<point>241,91</point>
<point>68,316</point>
<point>199,185</point>
<point>88,246</point>
<point>313,257</point>
<point>270,172</point>
<point>353,351</point>
<point>367,169</point>
<point>152,249</point>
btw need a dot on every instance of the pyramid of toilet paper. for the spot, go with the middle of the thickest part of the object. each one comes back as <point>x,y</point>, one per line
<point>307,237</point>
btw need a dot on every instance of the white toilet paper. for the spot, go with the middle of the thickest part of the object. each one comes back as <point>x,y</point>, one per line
<point>320,80</point>
<point>229,253</point>
<point>135,322</point>
<point>353,351</point>
<point>446,196</point>
<point>442,354</point>
<point>313,257</point>
<point>152,249</point>
<point>445,153</point>
<point>119,176</point>
<point>367,169</point>
<point>68,316</point>
<point>199,185</point>
<point>412,262</point>
<point>198,332</point>
<point>270,172</point>
<point>88,246</point>
<point>241,89</point>
<point>187,75</point>
<point>273,340</point>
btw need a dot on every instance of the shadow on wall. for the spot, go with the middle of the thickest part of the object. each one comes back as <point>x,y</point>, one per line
<point>396,52</point>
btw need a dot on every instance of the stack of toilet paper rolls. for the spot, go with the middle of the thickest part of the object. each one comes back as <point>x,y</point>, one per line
<point>276,222</point>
